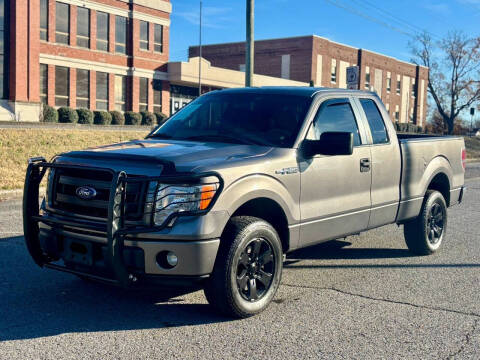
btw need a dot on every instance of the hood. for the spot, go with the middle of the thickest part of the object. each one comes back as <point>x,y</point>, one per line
<point>181,156</point>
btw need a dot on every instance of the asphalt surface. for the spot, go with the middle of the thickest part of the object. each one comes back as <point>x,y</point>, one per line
<point>365,297</point>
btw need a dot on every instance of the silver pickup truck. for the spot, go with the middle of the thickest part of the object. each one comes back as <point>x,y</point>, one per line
<point>234,181</point>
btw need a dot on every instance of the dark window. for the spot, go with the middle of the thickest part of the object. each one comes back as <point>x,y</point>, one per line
<point>120,92</point>
<point>336,115</point>
<point>3,50</point>
<point>158,39</point>
<point>62,27</point>
<point>157,96</point>
<point>83,27</point>
<point>102,31</point>
<point>44,83</point>
<point>375,120</point>
<point>143,94</point>
<point>43,19</point>
<point>389,84</point>
<point>144,35</point>
<point>62,85</point>
<point>102,91</point>
<point>367,80</point>
<point>120,34</point>
<point>83,89</point>
<point>240,118</point>
<point>399,87</point>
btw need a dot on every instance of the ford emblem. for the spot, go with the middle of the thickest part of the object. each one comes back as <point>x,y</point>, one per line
<point>86,192</point>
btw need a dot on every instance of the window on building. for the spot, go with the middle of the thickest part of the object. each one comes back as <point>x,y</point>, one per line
<point>399,85</point>
<point>102,91</point>
<point>102,31</point>
<point>120,92</point>
<point>62,25</point>
<point>43,19</point>
<point>4,26</point>
<point>389,82</point>
<point>120,35</point>
<point>158,38</point>
<point>44,83</point>
<point>83,27</point>
<point>144,35</point>
<point>375,120</point>
<point>387,106</point>
<point>333,77</point>
<point>367,77</point>
<point>83,89</point>
<point>397,113</point>
<point>143,103</point>
<point>414,88</point>
<point>157,96</point>
<point>411,115</point>
<point>336,115</point>
<point>62,85</point>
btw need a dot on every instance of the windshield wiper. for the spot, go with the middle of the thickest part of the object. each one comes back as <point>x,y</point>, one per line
<point>219,138</point>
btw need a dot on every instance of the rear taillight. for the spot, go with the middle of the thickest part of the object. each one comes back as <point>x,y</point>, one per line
<point>464,158</point>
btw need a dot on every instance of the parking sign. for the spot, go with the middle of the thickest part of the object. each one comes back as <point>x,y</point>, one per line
<point>352,77</point>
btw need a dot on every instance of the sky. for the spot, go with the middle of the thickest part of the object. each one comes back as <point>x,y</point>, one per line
<point>381,26</point>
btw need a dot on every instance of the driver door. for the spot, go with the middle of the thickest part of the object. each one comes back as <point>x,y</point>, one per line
<point>335,190</point>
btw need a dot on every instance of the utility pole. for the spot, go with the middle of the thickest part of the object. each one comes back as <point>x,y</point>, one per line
<point>200,55</point>
<point>250,47</point>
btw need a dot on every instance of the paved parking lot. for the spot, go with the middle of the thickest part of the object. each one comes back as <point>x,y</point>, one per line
<point>363,297</point>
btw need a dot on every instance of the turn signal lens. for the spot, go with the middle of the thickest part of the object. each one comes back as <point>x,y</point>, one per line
<point>208,191</point>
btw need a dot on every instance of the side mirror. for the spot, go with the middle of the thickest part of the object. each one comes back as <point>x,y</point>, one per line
<point>330,143</point>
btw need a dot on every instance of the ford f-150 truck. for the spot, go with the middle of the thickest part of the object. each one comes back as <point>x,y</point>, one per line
<point>231,183</point>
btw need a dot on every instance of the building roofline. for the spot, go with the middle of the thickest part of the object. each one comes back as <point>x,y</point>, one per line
<point>313,36</point>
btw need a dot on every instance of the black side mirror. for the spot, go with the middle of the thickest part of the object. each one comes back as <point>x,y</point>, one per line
<point>330,143</point>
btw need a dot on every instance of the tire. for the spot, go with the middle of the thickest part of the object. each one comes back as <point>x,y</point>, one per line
<point>239,285</point>
<point>425,234</point>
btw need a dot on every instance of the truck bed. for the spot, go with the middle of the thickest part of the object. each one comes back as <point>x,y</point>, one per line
<point>423,157</point>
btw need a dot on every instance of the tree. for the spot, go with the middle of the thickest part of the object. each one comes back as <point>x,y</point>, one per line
<point>454,72</point>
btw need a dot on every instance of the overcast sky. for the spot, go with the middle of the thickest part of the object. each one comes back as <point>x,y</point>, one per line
<point>381,26</point>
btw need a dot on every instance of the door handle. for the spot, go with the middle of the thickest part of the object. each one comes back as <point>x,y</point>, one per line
<point>364,165</point>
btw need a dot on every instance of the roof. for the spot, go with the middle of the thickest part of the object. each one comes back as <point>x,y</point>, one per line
<point>294,90</point>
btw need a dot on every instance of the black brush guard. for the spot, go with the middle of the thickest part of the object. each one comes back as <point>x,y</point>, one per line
<point>115,225</point>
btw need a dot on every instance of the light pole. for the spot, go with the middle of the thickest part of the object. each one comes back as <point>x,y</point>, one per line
<point>250,46</point>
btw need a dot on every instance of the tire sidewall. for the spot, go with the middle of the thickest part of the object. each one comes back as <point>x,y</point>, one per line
<point>255,230</point>
<point>434,198</point>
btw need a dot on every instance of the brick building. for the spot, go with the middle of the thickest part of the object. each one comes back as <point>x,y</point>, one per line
<point>98,54</point>
<point>401,85</point>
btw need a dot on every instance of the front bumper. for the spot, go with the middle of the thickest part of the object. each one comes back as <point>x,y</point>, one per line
<point>110,251</point>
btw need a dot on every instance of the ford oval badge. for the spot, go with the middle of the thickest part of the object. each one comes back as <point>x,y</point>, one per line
<point>86,192</point>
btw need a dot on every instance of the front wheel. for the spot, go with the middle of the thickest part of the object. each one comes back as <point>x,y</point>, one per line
<point>425,234</point>
<point>248,268</point>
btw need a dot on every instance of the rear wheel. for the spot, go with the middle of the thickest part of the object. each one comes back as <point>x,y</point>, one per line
<point>424,235</point>
<point>248,268</point>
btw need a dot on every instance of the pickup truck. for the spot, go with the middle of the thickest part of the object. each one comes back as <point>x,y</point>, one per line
<point>231,183</point>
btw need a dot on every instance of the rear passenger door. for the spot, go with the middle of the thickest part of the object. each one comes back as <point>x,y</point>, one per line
<point>335,190</point>
<point>385,164</point>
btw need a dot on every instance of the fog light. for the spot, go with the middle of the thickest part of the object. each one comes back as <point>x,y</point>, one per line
<point>167,259</point>
<point>172,259</point>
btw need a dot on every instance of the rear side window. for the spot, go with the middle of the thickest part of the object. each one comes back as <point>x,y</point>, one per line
<point>336,115</point>
<point>375,120</point>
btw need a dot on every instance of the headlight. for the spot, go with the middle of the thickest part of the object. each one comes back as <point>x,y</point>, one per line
<point>178,198</point>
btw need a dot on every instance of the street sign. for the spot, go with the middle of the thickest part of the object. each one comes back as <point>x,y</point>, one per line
<point>352,77</point>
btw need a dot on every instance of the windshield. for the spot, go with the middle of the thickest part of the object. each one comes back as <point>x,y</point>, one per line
<point>242,118</point>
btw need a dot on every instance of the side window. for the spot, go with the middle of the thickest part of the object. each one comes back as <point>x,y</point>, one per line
<point>336,115</point>
<point>375,120</point>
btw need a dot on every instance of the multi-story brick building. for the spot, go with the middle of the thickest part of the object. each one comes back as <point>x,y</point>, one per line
<point>401,85</point>
<point>98,54</point>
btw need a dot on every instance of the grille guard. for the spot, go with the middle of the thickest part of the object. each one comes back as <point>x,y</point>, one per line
<point>115,226</point>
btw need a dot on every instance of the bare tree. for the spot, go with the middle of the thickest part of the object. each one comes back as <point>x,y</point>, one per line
<point>454,72</point>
